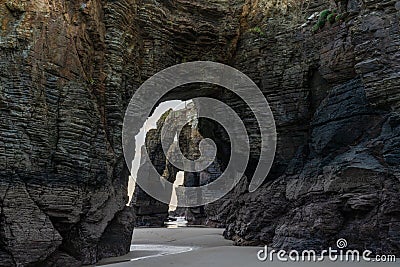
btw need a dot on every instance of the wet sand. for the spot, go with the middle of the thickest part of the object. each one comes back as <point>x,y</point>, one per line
<point>200,247</point>
<point>160,242</point>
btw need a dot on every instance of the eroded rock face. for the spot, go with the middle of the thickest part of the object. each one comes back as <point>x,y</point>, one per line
<point>336,111</point>
<point>334,94</point>
<point>68,69</point>
<point>341,185</point>
<point>63,180</point>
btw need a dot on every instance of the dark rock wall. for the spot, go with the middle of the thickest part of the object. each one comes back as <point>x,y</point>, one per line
<point>68,70</point>
<point>333,94</point>
<point>63,179</point>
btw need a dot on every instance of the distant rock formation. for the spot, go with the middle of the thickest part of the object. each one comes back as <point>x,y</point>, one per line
<point>151,212</point>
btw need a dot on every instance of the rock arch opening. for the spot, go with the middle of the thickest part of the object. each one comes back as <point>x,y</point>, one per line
<point>149,211</point>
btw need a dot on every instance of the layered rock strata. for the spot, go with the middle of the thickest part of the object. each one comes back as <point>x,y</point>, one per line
<point>69,68</point>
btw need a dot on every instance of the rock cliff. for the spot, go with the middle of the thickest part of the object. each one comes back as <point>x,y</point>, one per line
<point>63,179</point>
<point>68,69</point>
<point>334,96</point>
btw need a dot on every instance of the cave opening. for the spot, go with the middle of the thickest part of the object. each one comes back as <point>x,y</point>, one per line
<point>180,105</point>
<point>170,223</point>
<point>149,211</point>
<point>140,138</point>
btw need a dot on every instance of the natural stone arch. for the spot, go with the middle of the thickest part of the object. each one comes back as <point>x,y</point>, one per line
<point>151,212</point>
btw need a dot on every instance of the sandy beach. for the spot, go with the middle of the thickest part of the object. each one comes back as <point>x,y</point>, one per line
<point>198,247</point>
